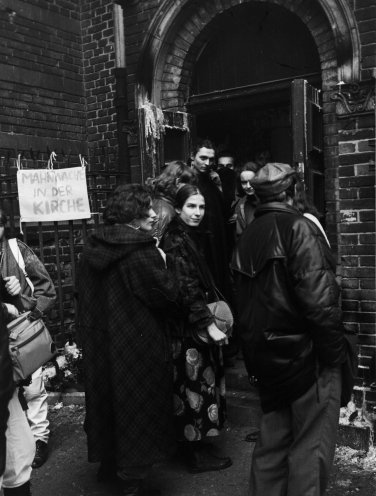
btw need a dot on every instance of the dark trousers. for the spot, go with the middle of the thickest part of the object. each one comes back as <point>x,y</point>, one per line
<point>295,449</point>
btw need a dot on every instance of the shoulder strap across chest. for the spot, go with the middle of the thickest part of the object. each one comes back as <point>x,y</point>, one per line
<point>13,245</point>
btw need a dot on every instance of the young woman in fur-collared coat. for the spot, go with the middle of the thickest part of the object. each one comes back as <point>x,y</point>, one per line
<point>124,292</point>
<point>199,387</point>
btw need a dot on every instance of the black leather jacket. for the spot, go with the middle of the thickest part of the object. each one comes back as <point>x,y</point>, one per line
<point>288,303</point>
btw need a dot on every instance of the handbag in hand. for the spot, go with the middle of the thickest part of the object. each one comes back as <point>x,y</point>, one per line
<point>30,345</point>
<point>222,314</point>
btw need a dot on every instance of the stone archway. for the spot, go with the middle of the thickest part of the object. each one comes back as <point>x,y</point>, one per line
<point>181,28</point>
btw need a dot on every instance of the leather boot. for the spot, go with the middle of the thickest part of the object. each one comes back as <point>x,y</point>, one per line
<point>199,459</point>
<point>41,454</point>
<point>137,487</point>
<point>23,490</point>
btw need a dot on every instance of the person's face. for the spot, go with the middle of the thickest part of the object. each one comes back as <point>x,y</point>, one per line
<point>262,158</point>
<point>226,163</point>
<point>146,223</point>
<point>192,211</point>
<point>203,161</point>
<point>245,181</point>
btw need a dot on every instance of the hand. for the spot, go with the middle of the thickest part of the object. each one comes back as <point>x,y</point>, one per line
<point>12,310</point>
<point>12,285</point>
<point>217,335</point>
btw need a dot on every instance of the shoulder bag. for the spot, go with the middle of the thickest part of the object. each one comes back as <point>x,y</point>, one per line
<point>30,342</point>
<point>30,345</point>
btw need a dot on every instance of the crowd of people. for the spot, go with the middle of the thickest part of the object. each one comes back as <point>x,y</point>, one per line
<point>154,352</point>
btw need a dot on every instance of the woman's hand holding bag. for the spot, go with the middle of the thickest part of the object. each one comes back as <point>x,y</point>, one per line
<point>217,335</point>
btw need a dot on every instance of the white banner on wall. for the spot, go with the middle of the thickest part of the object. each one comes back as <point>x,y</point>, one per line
<point>53,194</point>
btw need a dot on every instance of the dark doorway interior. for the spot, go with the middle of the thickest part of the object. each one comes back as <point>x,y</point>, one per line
<point>240,91</point>
<point>247,129</point>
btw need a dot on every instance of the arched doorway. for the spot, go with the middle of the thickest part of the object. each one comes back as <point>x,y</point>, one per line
<point>240,91</point>
<point>181,35</point>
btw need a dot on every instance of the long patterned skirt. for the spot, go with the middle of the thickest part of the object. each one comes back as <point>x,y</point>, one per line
<point>199,389</point>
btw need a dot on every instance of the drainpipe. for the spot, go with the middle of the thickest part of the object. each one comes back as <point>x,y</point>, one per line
<point>120,101</point>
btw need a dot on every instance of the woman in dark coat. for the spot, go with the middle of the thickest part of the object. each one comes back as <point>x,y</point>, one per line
<point>124,292</point>
<point>199,384</point>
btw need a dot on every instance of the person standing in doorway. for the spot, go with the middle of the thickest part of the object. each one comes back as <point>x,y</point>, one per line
<point>227,175</point>
<point>293,339</point>
<point>214,221</point>
<point>246,205</point>
<point>262,156</point>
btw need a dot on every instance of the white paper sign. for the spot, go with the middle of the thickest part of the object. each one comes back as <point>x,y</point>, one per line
<point>53,194</point>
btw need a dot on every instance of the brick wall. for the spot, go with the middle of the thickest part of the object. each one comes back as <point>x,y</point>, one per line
<point>99,81</point>
<point>357,233</point>
<point>137,19</point>
<point>41,90</point>
<point>357,208</point>
<point>365,12</point>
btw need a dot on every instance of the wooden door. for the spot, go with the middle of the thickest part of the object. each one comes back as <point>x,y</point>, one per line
<point>163,136</point>
<point>179,129</point>
<point>307,140</point>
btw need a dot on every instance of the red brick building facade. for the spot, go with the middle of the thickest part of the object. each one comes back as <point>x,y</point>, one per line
<point>129,84</point>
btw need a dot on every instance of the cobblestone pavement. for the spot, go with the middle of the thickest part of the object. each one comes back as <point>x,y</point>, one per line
<point>67,472</point>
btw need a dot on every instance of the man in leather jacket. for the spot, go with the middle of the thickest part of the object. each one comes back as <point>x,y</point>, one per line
<point>293,343</point>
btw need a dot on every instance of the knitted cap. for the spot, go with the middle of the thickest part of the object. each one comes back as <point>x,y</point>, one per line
<point>272,179</point>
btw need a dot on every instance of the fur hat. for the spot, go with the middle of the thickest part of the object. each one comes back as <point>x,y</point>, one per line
<point>273,179</point>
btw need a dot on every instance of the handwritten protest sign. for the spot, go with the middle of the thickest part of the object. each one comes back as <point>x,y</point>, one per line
<point>53,194</point>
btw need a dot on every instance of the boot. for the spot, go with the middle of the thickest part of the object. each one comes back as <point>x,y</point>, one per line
<point>23,490</point>
<point>41,454</point>
<point>199,459</point>
<point>137,487</point>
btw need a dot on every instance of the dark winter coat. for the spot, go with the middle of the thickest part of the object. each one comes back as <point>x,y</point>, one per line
<point>288,303</point>
<point>196,286</point>
<point>245,212</point>
<point>215,245</point>
<point>125,291</point>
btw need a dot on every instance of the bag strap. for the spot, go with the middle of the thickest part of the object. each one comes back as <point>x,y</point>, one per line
<point>13,245</point>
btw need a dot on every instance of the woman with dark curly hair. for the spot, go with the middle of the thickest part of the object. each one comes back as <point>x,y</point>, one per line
<point>124,292</point>
<point>199,382</point>
<point>164,189</point>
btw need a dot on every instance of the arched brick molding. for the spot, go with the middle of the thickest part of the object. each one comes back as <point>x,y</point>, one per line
<point>180,29</point>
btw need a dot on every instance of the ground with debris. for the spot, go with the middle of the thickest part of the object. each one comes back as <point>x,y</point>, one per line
<point>67,472</point>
